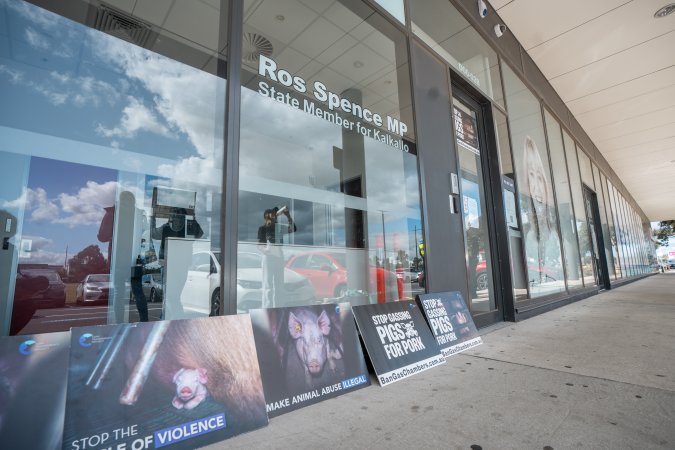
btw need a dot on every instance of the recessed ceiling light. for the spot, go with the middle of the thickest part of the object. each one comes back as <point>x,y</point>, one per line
<point>280,17</point>
<point>358,64</point>
<point>663,12</point>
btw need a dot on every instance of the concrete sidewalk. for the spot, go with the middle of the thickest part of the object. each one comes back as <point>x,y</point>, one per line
<point>596,374</point>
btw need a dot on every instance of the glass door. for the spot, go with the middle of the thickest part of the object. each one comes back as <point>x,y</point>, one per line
<point>599,262</point>
<point>474,207</point>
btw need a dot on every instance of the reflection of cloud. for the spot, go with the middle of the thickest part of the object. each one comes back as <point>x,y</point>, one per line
<point>36,39</point>
<point>39,252</point>
<point>36,201</point>
<point>60,89</point>
<point>86,207</point>
<point>135,117</point>
<point>185,97</point>
<point>83,208</point>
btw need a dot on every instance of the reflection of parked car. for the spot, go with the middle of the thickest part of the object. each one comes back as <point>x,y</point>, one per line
<point>203,282</point>
<point>94,289</point>
<point>152,287</point>
<point>52,297</point>
<point>328,274</point>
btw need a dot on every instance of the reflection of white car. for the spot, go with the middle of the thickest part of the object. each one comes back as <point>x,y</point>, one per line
<point>94,289</point>
<point>201,292</point>
<point>297,289</point>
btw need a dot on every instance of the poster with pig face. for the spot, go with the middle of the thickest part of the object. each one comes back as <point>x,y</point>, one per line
<point>397,339</point>
<point>451,322</point>
<point>33,374</point>
<point>182,383</point>
<point>307,354</point>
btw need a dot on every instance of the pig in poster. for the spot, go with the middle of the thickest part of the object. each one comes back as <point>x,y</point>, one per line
<point>183,383</point>
<point>307,354</point>
<point>33,371</point>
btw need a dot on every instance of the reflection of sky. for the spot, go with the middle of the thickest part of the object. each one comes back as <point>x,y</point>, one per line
<point>281,144</point>
<point>64,79</point>
<point>76,92</point>
<point>70,213</point>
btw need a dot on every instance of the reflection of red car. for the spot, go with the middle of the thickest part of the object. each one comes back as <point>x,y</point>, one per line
<point>328,274</point>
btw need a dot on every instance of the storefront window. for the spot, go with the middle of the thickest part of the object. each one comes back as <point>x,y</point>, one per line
<point>449,34</point>
<point>111,152</point>
<point>618,226</point>
<point>579,210</point>
<point>537,207</point>
<point>393,7</point>
<point>607,226</point>
<point>585,167</point>
<point>564,201</point>
<point>329,205</point>
<point>509,192</point>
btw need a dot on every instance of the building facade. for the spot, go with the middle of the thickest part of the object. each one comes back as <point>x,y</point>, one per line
<point>177,159</point>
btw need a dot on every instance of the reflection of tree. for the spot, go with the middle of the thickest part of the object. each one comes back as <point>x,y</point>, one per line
<point>402,259</point>
<point>88,261</point>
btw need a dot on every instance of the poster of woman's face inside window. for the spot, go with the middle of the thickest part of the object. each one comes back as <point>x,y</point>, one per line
<point>539,218</point>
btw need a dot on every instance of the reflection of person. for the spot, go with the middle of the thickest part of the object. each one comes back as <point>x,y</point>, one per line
<point>137,289</point>
<point>269,243</point>
<point>541,240</point>
<point>175,227</point>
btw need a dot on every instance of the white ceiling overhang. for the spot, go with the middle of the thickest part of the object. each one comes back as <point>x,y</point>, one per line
<point>613,64</point>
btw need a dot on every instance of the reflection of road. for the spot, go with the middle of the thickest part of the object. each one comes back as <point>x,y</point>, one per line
<point>59,319</point>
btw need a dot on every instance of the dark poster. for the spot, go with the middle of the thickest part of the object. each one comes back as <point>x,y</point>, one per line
<point>397,339</point>
<point>307,354</point>
<point>182,384</point>
<point>33,374</point>
<point>466,130</point>
<point>450,321</point>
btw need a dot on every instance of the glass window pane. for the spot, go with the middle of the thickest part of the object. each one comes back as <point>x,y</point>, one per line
<point>474,210</point>
<point>537,207</point>
<point>585,167</point>
<point>112,153</point>
<point>579,211</point>
<point>327,166</point>
<point>564,201</point>
<point>448,33</point>
<point>616,215</point>
<point>393,7</point>
<point>513,225</point>
<point>608,233</point>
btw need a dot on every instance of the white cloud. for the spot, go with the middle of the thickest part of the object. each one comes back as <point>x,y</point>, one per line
<point>36,39</point>
<point>135,117</point>
<point>185,97</point>
<point>83,208</point>
<point>86,207</point>
<point>61,88</point>
<point>14,75</point>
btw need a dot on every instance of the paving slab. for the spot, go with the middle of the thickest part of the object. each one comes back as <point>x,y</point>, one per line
<point>596,374</point>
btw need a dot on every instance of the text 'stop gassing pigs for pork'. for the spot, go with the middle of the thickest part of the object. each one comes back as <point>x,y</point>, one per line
<point>318,354</point>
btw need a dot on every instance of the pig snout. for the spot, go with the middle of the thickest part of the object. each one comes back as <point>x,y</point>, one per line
<point>185,393</point>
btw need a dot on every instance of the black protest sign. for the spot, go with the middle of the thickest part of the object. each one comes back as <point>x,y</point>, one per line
<point>450,321</point>
<point>307,354</point>
<point>182,383</point>
<point>397,339</point>
<point>33,381</point>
